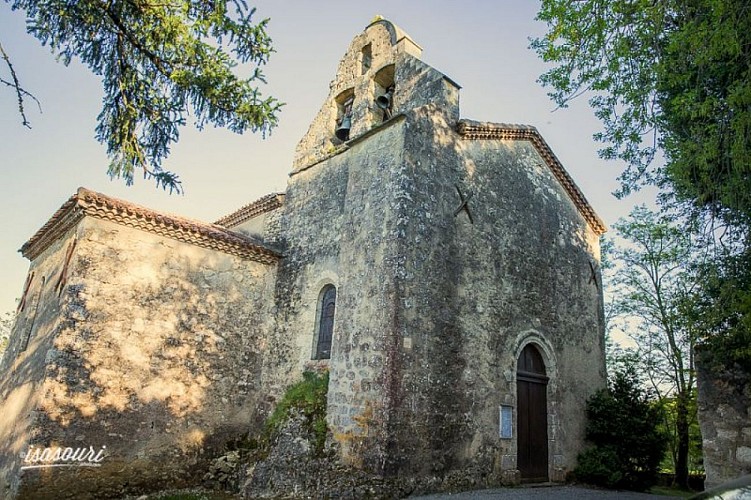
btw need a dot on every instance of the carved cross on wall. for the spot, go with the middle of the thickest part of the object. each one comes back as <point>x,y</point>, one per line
<point>593,275</point>
<point>464,204</point>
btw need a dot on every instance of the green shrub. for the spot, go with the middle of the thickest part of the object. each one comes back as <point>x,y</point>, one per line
<point>309,398</point>
<point>627,443</point>
<point>599,465</point>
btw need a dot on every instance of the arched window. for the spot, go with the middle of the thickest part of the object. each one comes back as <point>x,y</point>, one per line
<point>326,310</point>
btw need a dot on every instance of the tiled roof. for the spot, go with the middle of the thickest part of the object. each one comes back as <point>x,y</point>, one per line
<point>262,205</point>
<point>501,131</point>
<point>97,205</point>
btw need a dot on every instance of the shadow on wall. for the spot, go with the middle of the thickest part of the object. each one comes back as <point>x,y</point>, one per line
<point>160,372</point>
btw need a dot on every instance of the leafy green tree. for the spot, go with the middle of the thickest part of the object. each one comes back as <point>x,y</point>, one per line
<point>670,81</point>
<point>670,414</point>
<point>653,288</point>
<point>609,49</point>
<point>704,92</point>
<point>159,61</point>
<point>722,310</point>
<point>627,444</point>
<point>664,76</point>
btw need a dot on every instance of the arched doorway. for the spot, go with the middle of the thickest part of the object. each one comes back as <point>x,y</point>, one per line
<point>532,416</point>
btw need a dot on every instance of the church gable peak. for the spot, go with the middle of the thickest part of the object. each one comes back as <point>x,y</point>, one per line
<point>379,78</point>
<point>472,130</point>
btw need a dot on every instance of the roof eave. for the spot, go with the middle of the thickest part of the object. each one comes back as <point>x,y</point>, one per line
<point>90,203</point>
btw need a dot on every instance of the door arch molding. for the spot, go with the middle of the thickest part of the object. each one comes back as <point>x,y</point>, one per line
<point>546,350</point>
<point>545,391</point>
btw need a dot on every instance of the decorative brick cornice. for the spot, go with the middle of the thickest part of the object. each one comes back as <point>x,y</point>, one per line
<point>92,204</point>
<point>501,131</point>
<point>260,206</point>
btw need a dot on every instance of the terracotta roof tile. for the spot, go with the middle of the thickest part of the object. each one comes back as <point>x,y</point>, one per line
<point>93,204</point>
<point>262,205</point>
<point>501,131</point>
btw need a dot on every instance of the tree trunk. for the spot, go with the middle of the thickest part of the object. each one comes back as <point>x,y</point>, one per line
<point>681,423</point>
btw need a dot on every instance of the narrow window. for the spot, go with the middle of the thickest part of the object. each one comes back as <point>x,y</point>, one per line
<point>366,59</point>
<point>60,285</point>
<point>327,308</point>
<point>30,329</point>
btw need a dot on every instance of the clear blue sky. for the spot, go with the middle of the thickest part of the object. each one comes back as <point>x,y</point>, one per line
<point>481,44</point>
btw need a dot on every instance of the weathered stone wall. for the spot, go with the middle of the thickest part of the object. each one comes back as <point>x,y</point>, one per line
<point>272,227</point>
<point>475,292</point>
<point>265,227</point>
<point>724,412</point>
<point>254,228</point>
<point>153,350</point>
<point>24,362</point>
<point>420,85</point>
<point>344,215</point>
<point>526,277</point>
<point>339,229</point>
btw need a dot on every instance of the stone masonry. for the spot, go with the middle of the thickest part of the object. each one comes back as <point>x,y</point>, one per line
<point>724,412</point>
<point>139,342</point>
<point>455,247</point>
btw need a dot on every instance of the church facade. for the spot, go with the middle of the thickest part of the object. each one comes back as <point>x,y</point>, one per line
<point>444,271</point>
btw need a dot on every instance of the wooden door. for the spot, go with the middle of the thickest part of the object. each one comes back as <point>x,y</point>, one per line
<point>532,416</point>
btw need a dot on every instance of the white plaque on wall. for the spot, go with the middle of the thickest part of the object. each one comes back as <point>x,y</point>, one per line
<point>505,427</point>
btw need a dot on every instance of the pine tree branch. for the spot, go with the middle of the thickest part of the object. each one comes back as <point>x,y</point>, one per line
<point>20,91</point>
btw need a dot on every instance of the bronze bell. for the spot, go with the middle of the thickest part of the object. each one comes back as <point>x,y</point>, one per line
<point>342,132</point>
<point>384,101</point>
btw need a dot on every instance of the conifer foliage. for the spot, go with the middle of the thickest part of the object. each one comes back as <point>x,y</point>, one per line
<point>159,60</point>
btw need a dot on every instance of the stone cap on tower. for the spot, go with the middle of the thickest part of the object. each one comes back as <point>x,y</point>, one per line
<point>379,77</point>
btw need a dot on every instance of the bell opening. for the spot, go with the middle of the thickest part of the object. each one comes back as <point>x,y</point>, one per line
<point>384,93</point>
<point>343,126</point>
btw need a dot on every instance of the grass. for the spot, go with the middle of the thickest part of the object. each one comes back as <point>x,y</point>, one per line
<point>671,492</point>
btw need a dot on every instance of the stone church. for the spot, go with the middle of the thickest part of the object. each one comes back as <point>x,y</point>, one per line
<point>444,271</point>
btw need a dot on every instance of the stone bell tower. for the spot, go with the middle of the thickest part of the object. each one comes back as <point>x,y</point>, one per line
<point>346,211</point>
<point>379,77</point>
